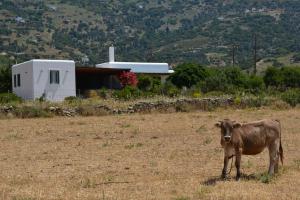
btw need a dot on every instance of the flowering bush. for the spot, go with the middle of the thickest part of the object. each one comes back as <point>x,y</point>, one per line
<point>128,79</point>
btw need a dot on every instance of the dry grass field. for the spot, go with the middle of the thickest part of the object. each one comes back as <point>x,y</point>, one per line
<point>153,156</point>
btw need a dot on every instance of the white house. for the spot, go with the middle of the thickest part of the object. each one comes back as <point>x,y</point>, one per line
<point>106,74</point>
<point>57,79</point>
<point>160,69</point>
<point>52,79</point>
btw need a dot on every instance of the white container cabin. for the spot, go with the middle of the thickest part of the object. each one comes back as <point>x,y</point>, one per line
<point>53,80</point>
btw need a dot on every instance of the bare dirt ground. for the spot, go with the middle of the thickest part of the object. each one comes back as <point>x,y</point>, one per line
<point>153,156</point>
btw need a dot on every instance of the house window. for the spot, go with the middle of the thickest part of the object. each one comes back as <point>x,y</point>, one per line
<point>54,77</point>
<point>17,80</point>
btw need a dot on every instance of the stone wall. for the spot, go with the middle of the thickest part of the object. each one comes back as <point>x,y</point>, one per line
<point>181,105</point>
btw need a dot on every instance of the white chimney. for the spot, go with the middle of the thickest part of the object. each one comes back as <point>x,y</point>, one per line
<point>111,54</point>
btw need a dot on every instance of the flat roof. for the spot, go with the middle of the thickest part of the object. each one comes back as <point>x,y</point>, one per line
<point>136,63</point>
<point>139,67</point>
<point>44,60</point>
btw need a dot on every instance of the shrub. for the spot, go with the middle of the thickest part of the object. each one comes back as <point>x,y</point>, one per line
<point>9,98</point>
<point>91,94</point>
<point>156,86</point>
<point>149,85</point>
<point>214,94</point>
<point>104,93</point>
<point>237,100</point>
<point>265,178</point>
<point>291,76</point>
<point>127,93</point>
<point>286,77</point>
<point>216,81</point>
<point>91,110</point>
<point>255,101</point>
<point>280,105</point>
<point>5,74</point>
<point>255,84</point>
<point>31,112</point>
<point>72,99</point>
<point>235,77</point>
<point>145,82</point>
<point>188,74</point>
<point>170,90</point>
<point>128,79</point>
<point>196,95</point>
<point>273,77</point>
<point>291,96</point>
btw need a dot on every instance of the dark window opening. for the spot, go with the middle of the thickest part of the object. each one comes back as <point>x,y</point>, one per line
<point>15,80</point>
<point>54,77</point>
<point>19,80</point>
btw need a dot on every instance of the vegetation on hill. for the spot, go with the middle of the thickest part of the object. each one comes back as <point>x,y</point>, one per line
<point>169,31</point>
<point>5,74</point>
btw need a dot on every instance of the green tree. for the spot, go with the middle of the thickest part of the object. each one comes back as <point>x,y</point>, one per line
<point>145,82</point>
<point>273,77</point>
<point>235,77</point>
<point>255,83</point>
<point>188,74</point>
<point>291,76</point>
<point>215,81</point>
<point>5,74</point>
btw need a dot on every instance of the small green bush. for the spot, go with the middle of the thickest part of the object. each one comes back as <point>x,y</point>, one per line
<point>103,93</point>
<point>9,98</point>
<point>127,93</point>
<point>257,101</point>
<point>188,74</point>
<point>265,178</point>
<point>196,95</point>
<point>145,83</point>
<point>31,112</point>
<point>149,86</point>
<point>91,94</point>
<point>90,110</point>
<point>72,99</point>
<point>214,94</point>
<point>291,96</point>
<point>255,84</point>
<point>282,78</point>
<point>170,90</point>
<point>237,101</point>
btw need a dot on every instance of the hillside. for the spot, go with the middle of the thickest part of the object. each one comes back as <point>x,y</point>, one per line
<point>170,31</point>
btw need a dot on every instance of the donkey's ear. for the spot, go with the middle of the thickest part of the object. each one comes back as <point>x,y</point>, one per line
<point>237,125</point>
<point>218,124</point>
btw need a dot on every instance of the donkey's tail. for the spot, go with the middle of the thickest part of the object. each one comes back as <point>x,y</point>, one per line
<point>281,152</point>
<point>280,146</point>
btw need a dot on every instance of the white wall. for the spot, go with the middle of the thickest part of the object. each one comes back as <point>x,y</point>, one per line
<point>35,79</point>
<point>54,92</point>
<point>25,71</point>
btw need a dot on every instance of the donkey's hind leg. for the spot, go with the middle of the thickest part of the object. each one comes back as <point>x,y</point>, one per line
<point>274,157</point>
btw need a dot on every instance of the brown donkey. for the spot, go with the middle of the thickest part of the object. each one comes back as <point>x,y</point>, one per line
<point>250,139</point>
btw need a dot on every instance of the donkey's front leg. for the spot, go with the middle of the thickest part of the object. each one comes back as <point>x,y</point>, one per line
<point>224,171</point>
<point>238,154</point>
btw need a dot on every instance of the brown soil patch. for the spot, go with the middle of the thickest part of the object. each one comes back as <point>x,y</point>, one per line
<point>154,156</point>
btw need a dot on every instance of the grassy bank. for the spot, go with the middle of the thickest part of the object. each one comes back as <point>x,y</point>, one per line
<point>13,107</point>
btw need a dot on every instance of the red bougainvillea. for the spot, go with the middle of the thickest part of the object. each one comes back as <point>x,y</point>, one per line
<point>128,79</point>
